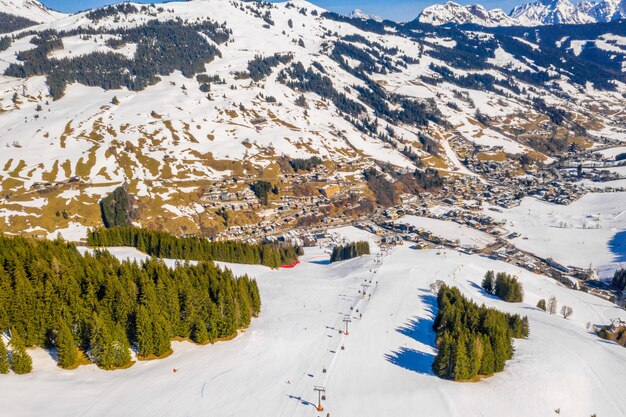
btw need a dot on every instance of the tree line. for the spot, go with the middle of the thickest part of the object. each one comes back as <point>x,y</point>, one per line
<point>349,251</point>
<point>164,245</point>
<point>504,286</point>
<point>54,297</point>
<point>473,340</point>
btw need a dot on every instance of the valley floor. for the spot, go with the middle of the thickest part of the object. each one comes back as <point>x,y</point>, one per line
<point>384,370</point>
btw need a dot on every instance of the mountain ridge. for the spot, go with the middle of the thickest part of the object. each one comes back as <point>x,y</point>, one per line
<point>541,12</point>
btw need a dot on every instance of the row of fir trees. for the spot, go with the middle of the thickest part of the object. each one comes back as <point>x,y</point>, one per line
<point>164,245</point>
<point>504,286</point>
<point>349,251</point>
<point>472,340</point>
<point>54,297</point>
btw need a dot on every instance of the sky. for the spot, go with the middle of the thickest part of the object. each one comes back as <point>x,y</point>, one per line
<point>398,10</point>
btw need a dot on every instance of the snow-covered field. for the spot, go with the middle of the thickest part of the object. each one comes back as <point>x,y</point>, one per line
<point>271,369</point>
<point>449,230</point>
<point>577,234</point>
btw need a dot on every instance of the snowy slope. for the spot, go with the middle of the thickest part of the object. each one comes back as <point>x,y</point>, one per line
<point>271,369</point>
<point>30,9</point>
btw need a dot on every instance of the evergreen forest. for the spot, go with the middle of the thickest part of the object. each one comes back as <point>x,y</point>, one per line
<point>54,297</point>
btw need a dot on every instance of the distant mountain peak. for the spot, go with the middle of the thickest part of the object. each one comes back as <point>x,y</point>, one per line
<point>540,12</point>
<point>359,14</point>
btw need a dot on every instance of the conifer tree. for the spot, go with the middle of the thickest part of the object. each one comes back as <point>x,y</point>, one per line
<point>475,354</point>
<point>461,361</point>
<point>4,358</point>
<point>200,334</point>
<point>145,332</point>
<point>488,283</point>
<point>542,304</point>
<point>21,361</point>
<point>67,350</point>
<point>441,364</point>
<point>488,360</point>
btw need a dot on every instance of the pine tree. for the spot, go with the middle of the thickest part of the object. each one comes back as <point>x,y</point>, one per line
<point>67,350</point>
<point>541,304</point>
<point>120,352</point>
<point>4,358</point>
<point>488,360</point>
<point>488,283</point>
<point>162,336</point>
<point>461,370</point>
<point>475,354</point>
<point>21,361</point>
<point>200,334</point>
<point>441,364</point>
<point>101,345</point>
<point>145,332</point>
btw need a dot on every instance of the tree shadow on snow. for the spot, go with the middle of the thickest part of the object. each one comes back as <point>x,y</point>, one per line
<point>421,330</point>
<point>412,360</point>
<point>321,262</point>
<point>482,291</point>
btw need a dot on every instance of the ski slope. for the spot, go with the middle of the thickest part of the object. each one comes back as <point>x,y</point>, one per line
<point>384,370</point>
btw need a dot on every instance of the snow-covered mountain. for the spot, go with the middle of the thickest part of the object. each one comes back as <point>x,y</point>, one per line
<point>452,12</point>
<point>359,14</point>
<point>107,97</point>
<point>30,9</point>
<point>550,12</point>
<point>541,12</point>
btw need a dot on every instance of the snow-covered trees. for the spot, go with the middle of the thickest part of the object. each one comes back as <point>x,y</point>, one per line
<point>472,340</point>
